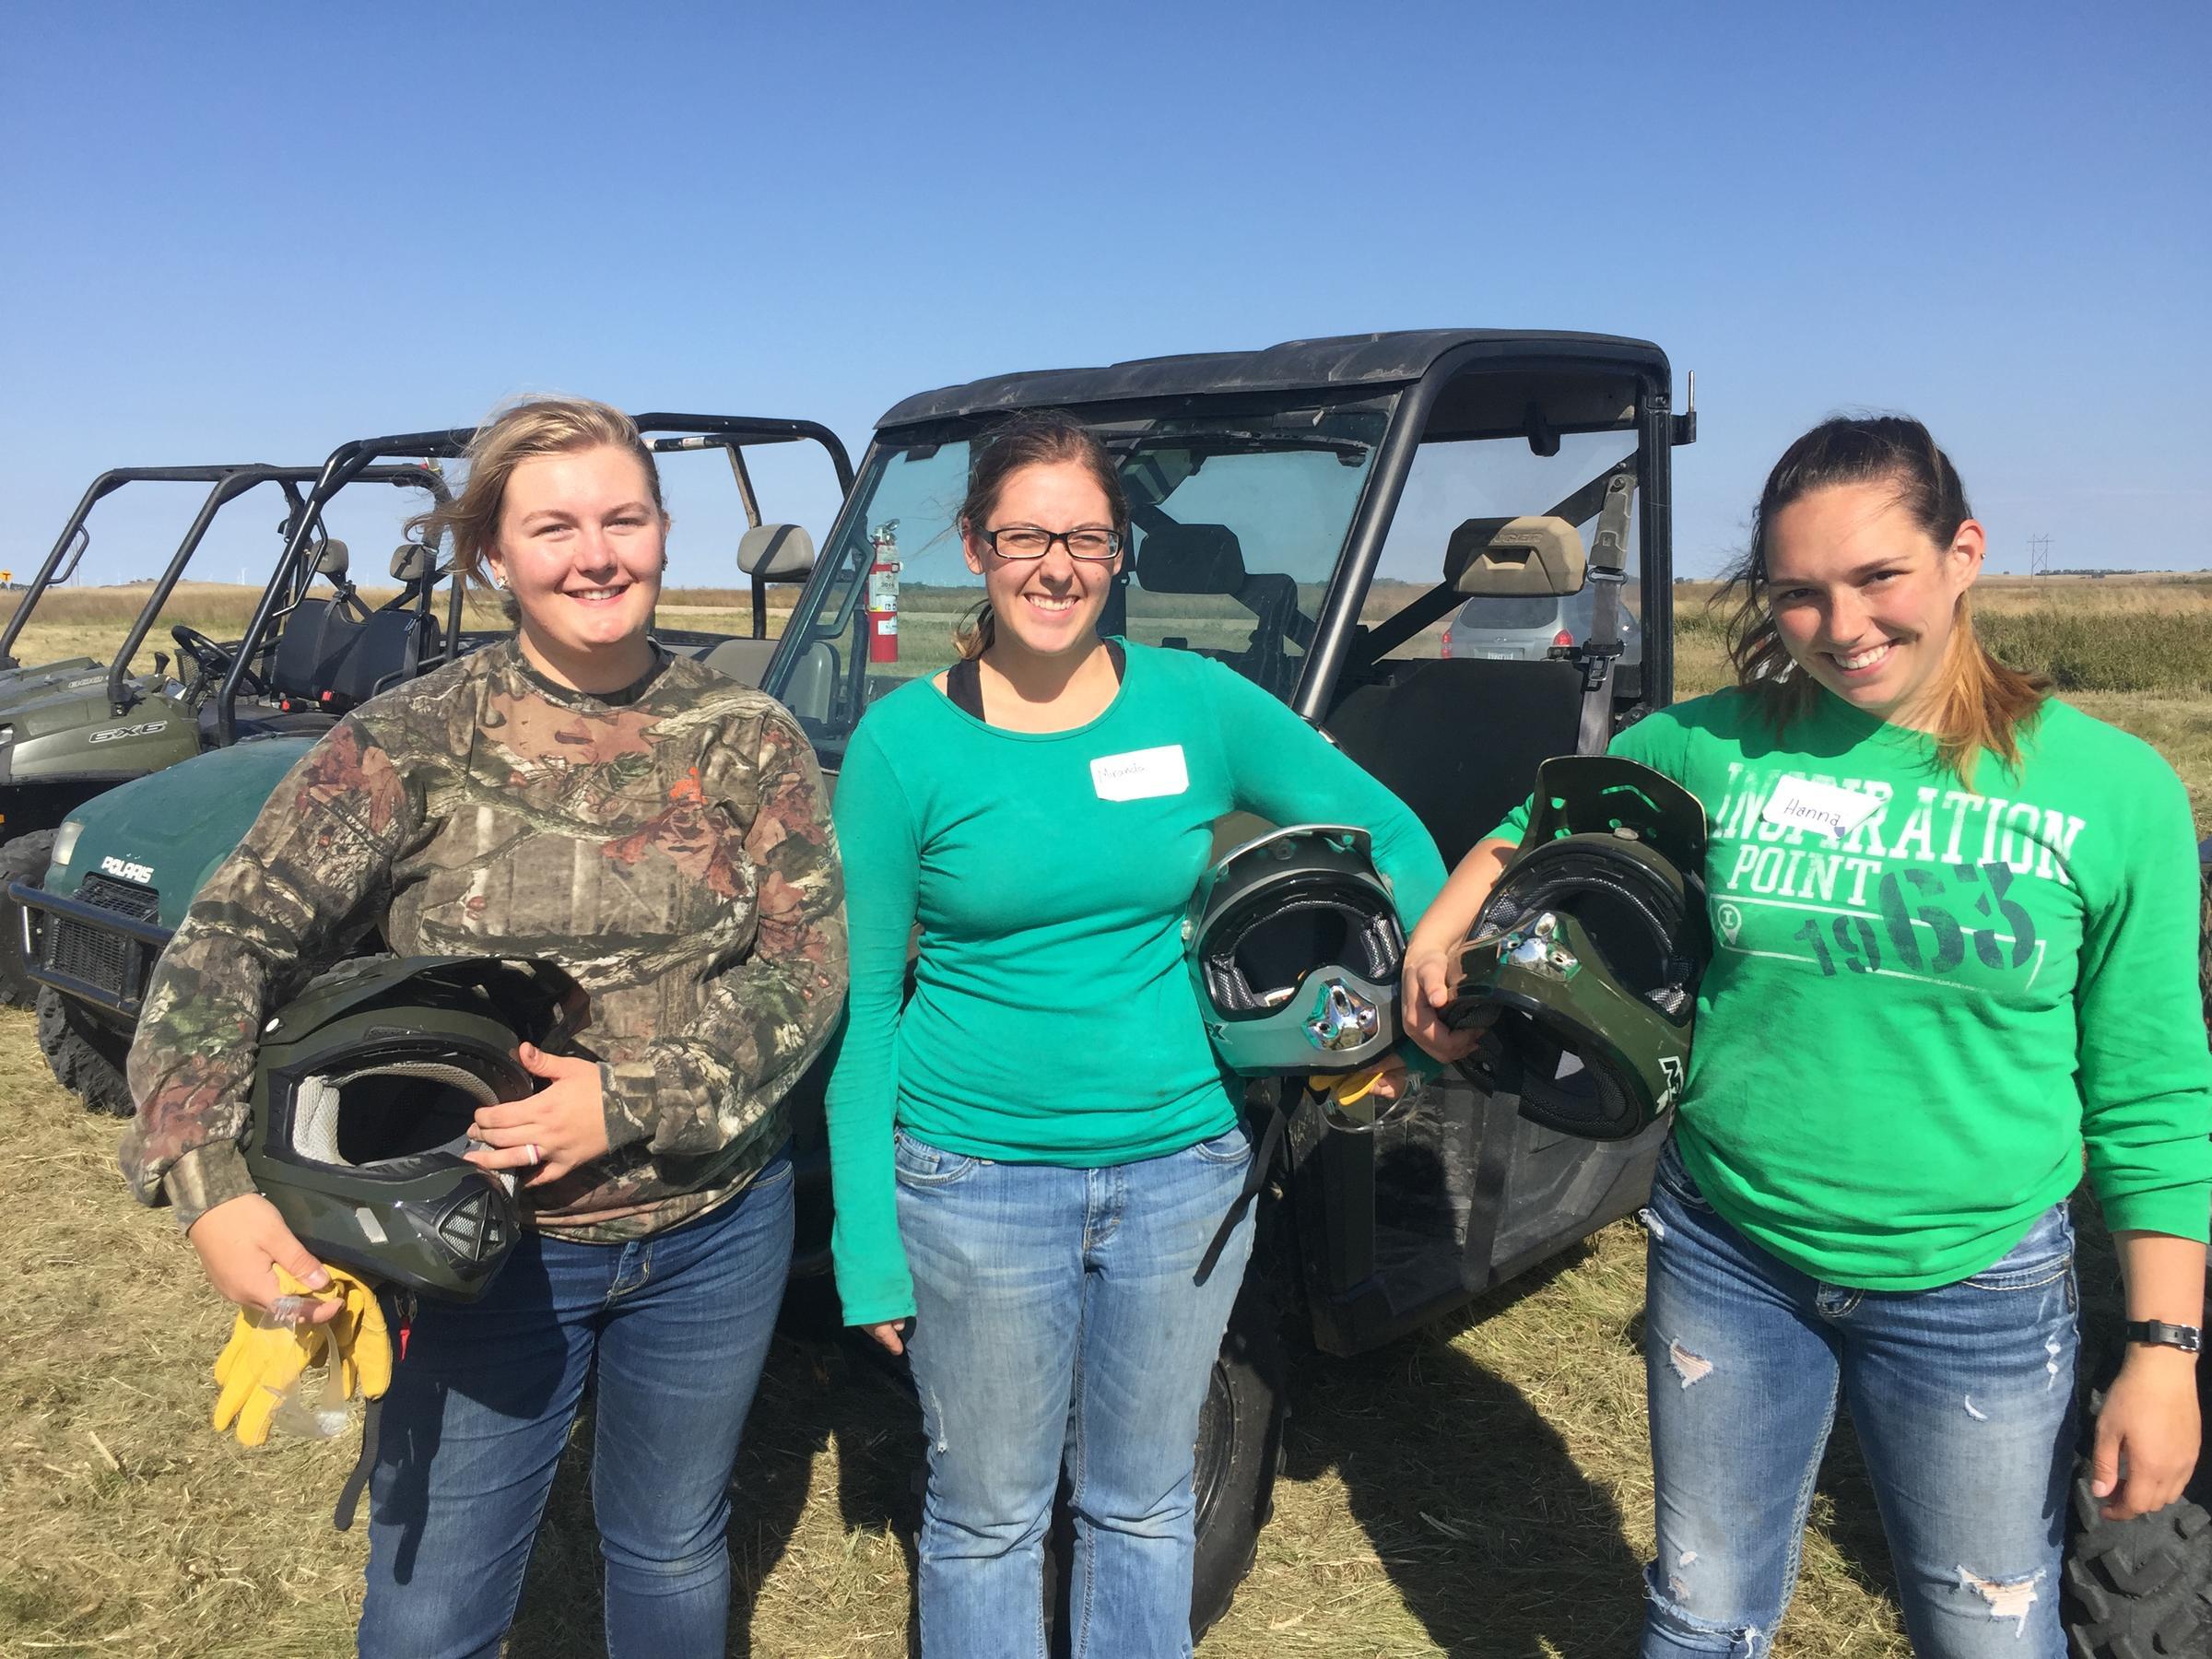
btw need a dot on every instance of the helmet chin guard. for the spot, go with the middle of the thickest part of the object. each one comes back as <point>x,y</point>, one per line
<point>1590,948</point>
<point>363,1096</point>
<point>1294,950</point>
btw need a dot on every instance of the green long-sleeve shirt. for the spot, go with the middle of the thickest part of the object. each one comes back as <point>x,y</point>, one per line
<point>1053,1020</point>
<point>1910,1028</point>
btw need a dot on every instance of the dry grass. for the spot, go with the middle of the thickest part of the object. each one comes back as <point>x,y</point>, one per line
<point>1479,1490</point>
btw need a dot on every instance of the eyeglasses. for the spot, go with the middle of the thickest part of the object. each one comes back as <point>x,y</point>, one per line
<point>1028,541</point>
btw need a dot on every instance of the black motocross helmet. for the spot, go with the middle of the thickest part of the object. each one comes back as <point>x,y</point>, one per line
<point>1294,950</point>
<point>1590,948</point>
<point>362,1099</point>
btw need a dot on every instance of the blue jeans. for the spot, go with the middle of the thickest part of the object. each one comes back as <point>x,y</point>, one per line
<point>1057,1321</point>
<point>677,1327</point>
<point>1962,1397</point>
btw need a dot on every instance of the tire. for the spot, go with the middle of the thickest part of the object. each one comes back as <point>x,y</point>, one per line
<point>86,1056</point>
<point>2139,1589</point>
<point>1240,1452</point>
<point>23,858</point>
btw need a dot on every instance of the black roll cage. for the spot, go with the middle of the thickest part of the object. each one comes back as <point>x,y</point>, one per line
<point>75,538</point>
<point>351,461</point>
<point>938,417</point>
<point>1657,430</point>
<point>235,482</point>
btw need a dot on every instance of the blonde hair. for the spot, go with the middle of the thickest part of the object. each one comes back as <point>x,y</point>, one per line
<point>1977,703</point>
<point>524,432</point>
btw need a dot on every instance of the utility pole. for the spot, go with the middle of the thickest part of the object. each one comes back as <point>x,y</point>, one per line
<point>2039,556</point>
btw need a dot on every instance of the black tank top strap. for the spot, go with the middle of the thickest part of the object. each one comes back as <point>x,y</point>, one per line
<point>964,680</point>
<point>964,685</point>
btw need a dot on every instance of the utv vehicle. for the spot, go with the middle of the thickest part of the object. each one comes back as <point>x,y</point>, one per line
<point>2142,1588</point>
<point>1312,515</point>
<point>60,567</point>
<point>18,679</point>
<point>67,737</point>
<point>125,866</point>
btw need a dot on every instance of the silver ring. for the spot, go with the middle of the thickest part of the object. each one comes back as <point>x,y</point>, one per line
<point>533,1151</point>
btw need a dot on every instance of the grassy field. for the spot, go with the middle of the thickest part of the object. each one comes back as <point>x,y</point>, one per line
<point>1477,1490</point>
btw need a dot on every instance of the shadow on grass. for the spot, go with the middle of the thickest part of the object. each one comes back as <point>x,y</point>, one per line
<point>811,1393</point>
<point>1492,1536</point>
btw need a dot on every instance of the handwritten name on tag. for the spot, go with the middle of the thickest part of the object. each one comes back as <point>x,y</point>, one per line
<point>1823,808</point>
<point>1141,774</point>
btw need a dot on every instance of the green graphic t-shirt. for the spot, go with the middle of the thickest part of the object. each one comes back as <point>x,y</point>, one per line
<point>1923,998</point>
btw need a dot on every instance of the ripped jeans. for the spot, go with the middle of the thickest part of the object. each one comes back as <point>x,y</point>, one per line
<point>1962,1397</point>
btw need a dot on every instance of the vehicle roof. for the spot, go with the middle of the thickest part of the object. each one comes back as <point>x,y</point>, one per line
<point>1339,361</point>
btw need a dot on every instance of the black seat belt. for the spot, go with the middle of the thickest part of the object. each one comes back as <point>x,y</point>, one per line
<point>1601,650</point>
<point>1255,1177</point>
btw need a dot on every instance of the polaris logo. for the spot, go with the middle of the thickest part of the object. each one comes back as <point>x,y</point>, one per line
<point>112,733</point>
<point>124,870</point>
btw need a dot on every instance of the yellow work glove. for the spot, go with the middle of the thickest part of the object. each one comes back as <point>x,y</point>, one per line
<point>1347,1088</point>
<point>360,1340</point>
<point>1349,1099</point>
<point>265,1361</point>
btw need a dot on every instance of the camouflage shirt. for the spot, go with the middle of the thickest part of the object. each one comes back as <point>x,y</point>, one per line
<point>670,846</point>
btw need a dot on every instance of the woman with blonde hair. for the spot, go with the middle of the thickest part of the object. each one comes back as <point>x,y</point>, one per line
<point>1954,925</point>
<point>573,793</point>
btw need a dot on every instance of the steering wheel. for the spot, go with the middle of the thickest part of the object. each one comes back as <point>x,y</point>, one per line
<point>211,663</point>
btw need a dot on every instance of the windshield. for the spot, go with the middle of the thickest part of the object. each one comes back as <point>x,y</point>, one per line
<point>1278,490</point>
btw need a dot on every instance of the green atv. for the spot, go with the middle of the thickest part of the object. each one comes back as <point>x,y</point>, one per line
<point>1312,515</point>
<point>59,567</point>
<point>71,734</point>
<point>114,879</point>
<point>20,680</point>
<point>2142,1588</point>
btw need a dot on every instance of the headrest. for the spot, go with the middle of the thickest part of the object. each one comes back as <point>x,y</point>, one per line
<point>330,559</point>
<point>1490,557</point>
<point>776,553</point>
<point>413,562</point>
<point>1191,559</point>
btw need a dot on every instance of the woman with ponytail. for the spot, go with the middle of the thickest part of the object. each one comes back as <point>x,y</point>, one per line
<point>1954,923</point>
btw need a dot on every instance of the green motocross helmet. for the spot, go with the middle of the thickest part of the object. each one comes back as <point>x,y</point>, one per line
<point>363,1095</point>
<point>1589,947</point>
<point>1294,948</point>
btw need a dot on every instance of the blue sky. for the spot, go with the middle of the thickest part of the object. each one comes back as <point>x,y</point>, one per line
<point>234,232</point>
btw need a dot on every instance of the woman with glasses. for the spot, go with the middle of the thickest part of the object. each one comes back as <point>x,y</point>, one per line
<point>1032,1157</point>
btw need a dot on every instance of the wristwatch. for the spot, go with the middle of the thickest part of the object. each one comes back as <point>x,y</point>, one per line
<point>2156,1333</point>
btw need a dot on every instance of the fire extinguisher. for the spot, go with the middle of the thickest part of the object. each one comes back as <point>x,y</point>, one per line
<point>883,594</point>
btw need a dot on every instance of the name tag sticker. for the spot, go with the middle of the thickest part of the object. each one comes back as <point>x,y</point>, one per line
<point>1823,808</point>
<point>1141,774</point>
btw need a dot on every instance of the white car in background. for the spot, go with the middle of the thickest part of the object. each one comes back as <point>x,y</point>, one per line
<point>1529,627</point>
